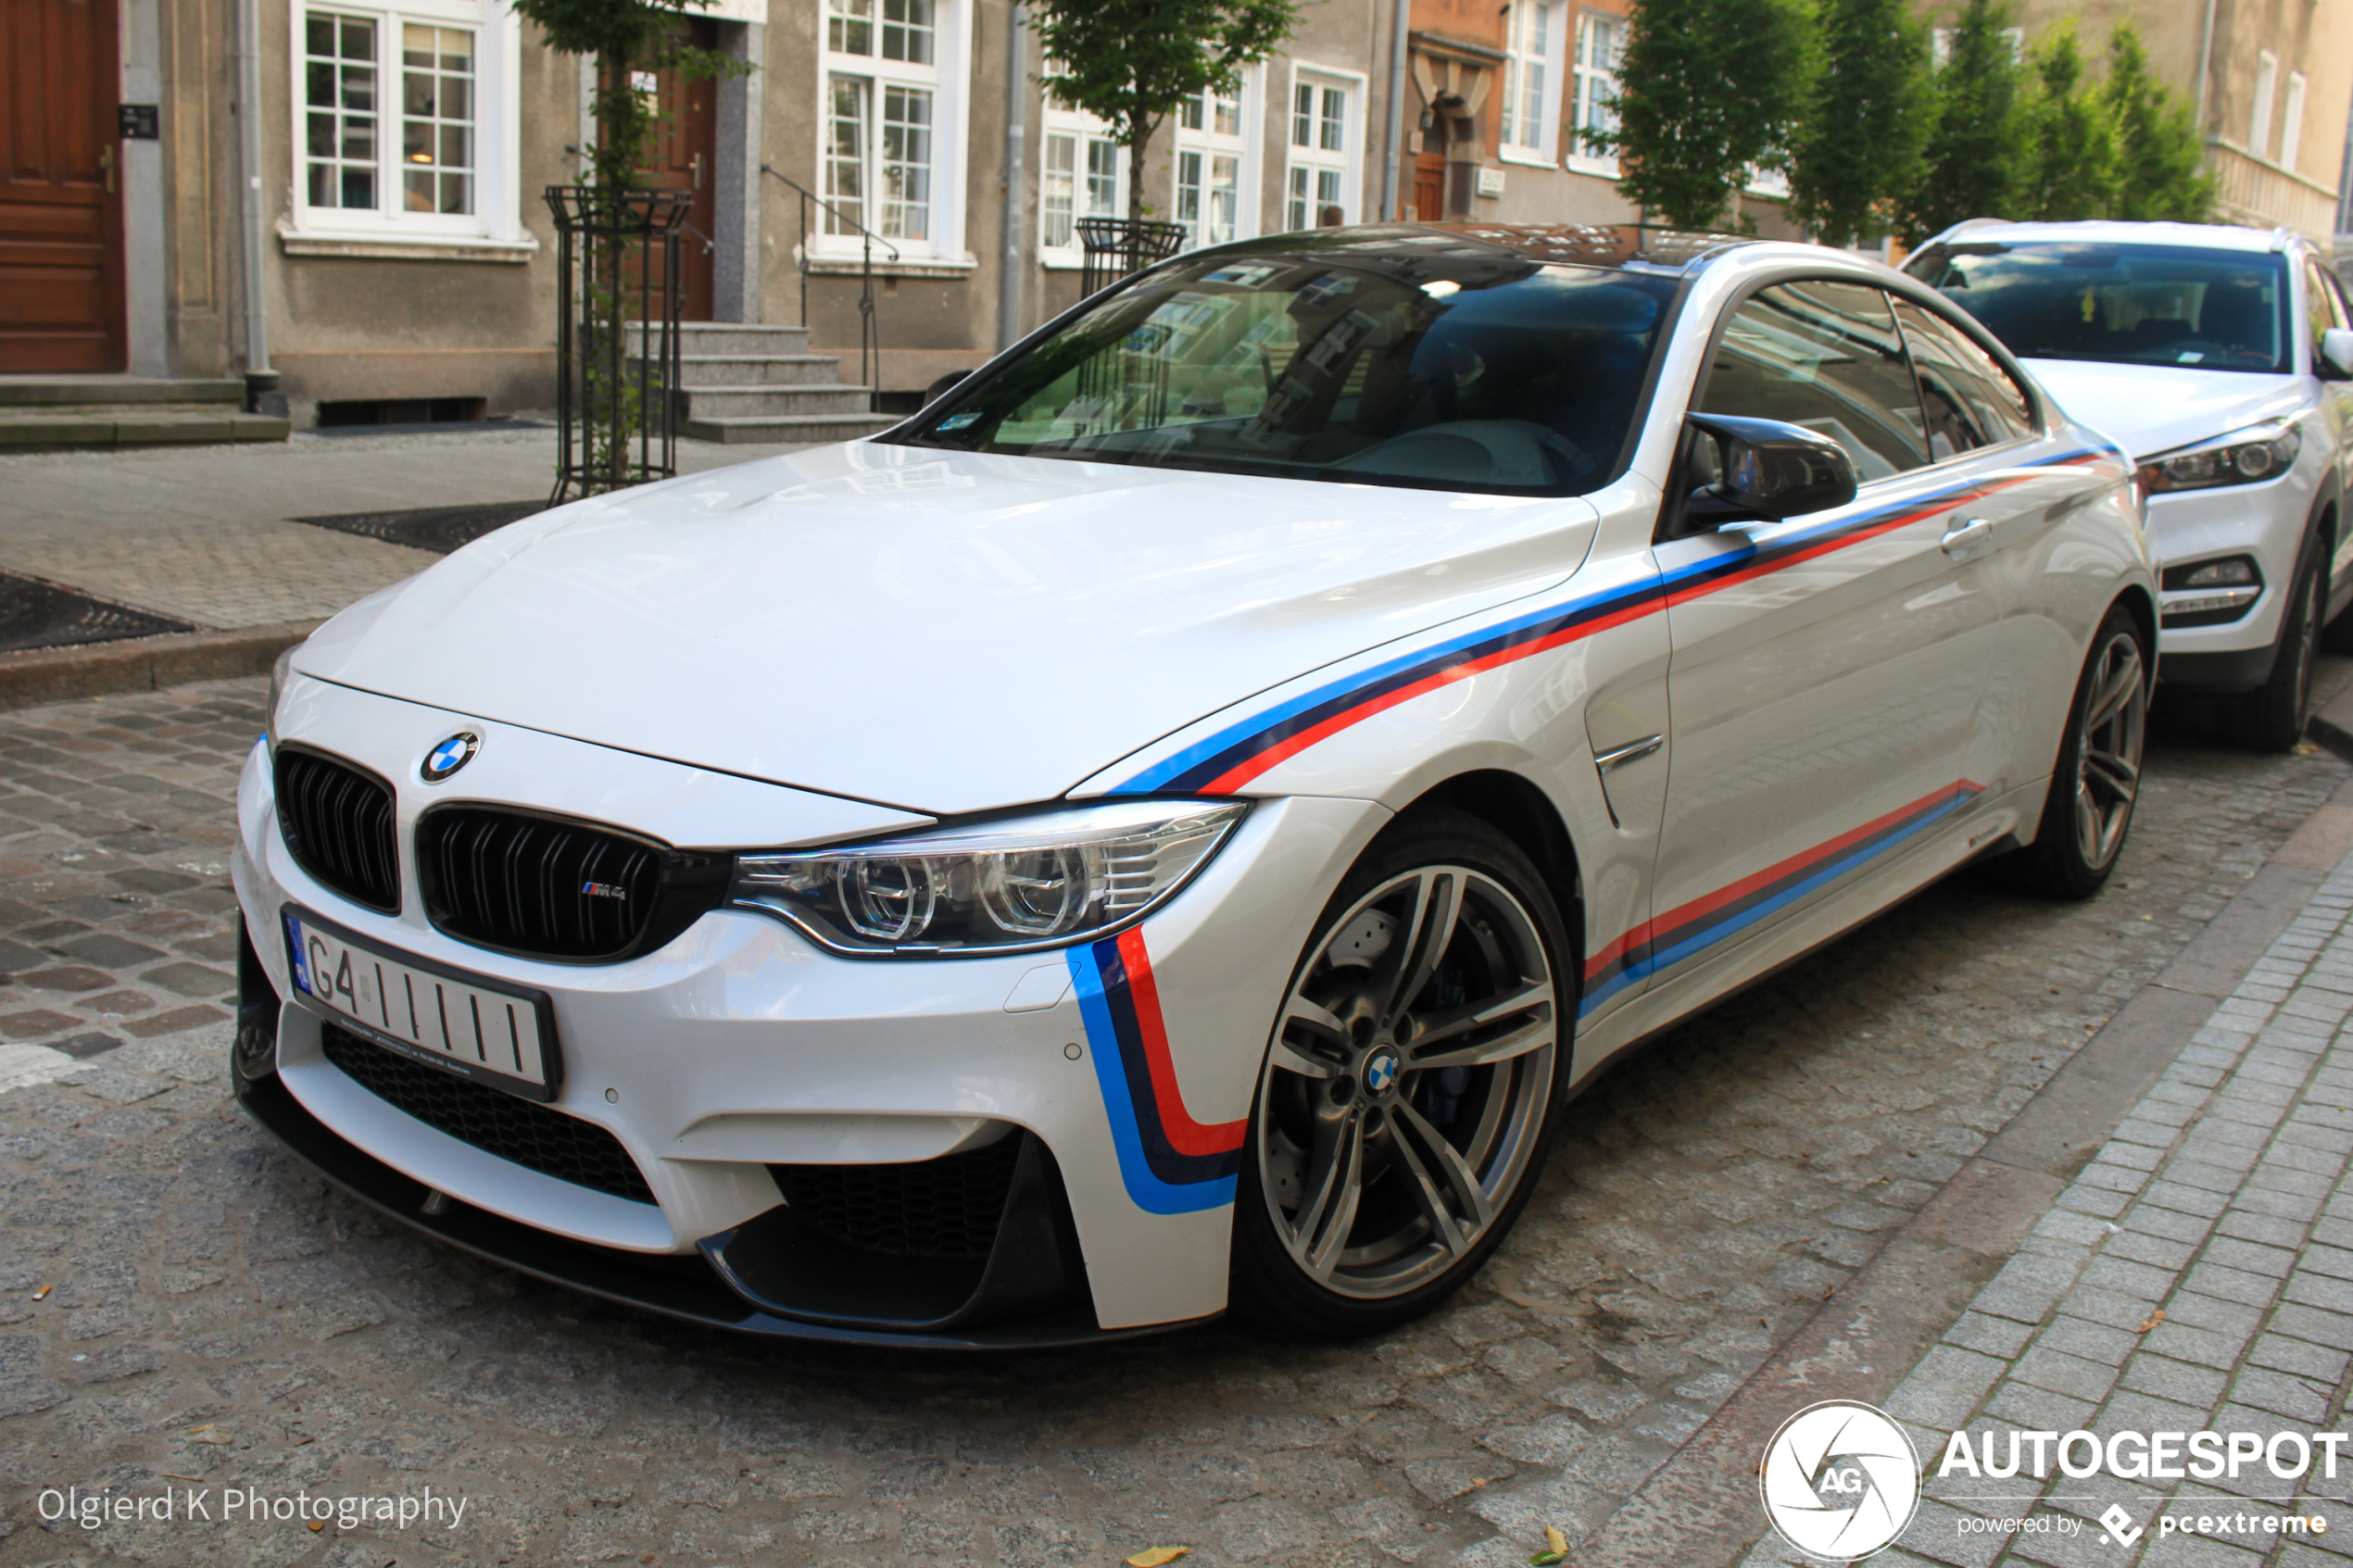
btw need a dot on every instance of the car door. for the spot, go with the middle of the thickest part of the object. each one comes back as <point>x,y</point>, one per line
<point>1826,669</point>
<point>2325,307</point>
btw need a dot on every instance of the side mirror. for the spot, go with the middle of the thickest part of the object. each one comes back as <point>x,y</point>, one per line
<point>2334,361</point>
<point>932,393</point>
<point>1768,470</point>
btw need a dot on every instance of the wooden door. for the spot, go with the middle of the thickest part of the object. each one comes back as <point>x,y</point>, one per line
<point>1429,187</point>
<point>60,219</point>
<point>684,158</point>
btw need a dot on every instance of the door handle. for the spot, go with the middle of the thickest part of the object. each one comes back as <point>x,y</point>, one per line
<point>106,165</point>
<point>1963,537</point>
<point>699,172</point>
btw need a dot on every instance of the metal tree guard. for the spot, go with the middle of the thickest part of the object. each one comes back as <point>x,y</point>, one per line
<point>617,264</point>
<point>1116,246</point>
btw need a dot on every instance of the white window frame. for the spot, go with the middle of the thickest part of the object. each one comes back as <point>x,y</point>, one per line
<point>1082,127</point>
<point>947,78</point>
<point>2258,122</point>
<point>1211,145</point>
<point>496,220</point>
<point>2291,121</point>
<point>1348,162</point>
<point>1591,82</point>
<point>1544,152</point>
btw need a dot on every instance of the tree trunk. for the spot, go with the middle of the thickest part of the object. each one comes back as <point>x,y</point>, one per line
<point>1142,130</point>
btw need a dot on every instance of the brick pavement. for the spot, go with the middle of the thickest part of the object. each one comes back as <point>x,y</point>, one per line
<point>201,534</point>
<point>235,1320</point>
<point>2197,1275</point>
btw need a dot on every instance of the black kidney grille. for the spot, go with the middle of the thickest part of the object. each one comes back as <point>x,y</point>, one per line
<point>535,884</point>
<point>547,1141</point>
<point>944,1208</point>
<point>337,821</point>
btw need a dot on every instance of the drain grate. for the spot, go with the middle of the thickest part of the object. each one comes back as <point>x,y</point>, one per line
<point>34,615</point>
<point>438,528</point>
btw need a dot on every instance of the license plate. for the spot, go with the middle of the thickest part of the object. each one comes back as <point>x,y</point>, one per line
<point>498,1034</point>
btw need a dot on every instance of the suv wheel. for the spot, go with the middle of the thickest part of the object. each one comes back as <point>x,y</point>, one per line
<point>2271,718</point>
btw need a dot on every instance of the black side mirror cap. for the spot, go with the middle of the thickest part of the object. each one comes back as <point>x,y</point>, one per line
<point>1772,470</point>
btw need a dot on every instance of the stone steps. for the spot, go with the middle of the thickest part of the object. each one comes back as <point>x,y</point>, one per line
<point>781,400</point>
<point>776,428</point>
<point>753,382</point>
<point>758,369</point>
<point>71,413</point>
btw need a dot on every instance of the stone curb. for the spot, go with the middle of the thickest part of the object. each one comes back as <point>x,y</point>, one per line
<point>1701,1507</point>
<point>144,664</point>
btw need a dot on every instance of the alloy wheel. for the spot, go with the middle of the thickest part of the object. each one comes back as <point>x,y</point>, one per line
<point>2108,765</point>
<point>1408,1080</point>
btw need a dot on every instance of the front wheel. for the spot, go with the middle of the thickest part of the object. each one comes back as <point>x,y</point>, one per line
<point>2097,780</point>
<point>2271,718</point>
<point>1408,1091</point>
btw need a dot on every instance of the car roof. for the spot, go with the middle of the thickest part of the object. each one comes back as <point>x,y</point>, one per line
<point>2202,236</point>
<point>1646,247</point>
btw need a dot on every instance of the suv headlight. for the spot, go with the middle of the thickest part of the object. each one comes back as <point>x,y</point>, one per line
<point>1028,883</point>
<point>2244,456</point>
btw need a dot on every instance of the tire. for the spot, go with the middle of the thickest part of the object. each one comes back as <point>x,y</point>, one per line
<point>2271,718</point>
<point>2097,782</point>
<point>1379,1171</point>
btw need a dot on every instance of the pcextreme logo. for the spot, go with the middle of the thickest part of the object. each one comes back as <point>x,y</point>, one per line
<point>1840,1480</point>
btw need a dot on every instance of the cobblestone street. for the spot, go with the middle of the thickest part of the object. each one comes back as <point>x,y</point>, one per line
<point>180,1302</point>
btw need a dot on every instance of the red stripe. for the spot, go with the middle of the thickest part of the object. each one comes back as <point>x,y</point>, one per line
<point>1185,1134</point>
<point>1708,903</point>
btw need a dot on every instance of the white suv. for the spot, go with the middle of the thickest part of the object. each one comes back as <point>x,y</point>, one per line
<point>2221,358</point>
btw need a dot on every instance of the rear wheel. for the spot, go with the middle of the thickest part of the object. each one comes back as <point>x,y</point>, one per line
<point>2271,718</point>
<point>1408,1093</point>
<point>2097,781</point>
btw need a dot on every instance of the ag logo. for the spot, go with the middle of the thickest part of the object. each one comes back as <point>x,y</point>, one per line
<point>1840,1480</point>
<point>449,756</point>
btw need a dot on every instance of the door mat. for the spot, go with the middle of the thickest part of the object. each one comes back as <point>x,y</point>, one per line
<point>34,615</point>
<point>438,528</point>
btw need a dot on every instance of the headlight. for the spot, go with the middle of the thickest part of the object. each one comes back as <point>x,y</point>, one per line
<point>2242,458</point>
<point>278,673</point>
<point>1035,882</point>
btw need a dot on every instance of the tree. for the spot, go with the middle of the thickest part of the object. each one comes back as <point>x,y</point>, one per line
<point>1130,63</point>
<point>1857,150</point>
<point>1703,87</point>
<point>625,37</point>
<point>2158,163</point>
<point>2068,170</point>
<point>1967,169</point>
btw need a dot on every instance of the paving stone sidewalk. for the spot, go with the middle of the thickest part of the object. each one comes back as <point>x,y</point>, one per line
<point>2197,1275</point>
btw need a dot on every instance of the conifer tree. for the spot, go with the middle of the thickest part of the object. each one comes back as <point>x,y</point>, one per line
<point>1703,91</point>
<point>1968,168</point>
<point>2158,164</point>
<point>2068,170</point>
<point>1857,150</point>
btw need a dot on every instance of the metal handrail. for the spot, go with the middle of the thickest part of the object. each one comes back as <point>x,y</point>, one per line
<point>869,332</point>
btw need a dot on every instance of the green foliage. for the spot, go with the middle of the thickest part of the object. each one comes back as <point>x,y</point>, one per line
<point>1704,85</point>
<point>2068,153</point>
<point>623,37</point>
<point>1857,147</point>
<point>1966,169</point>
<point>2158,155</point>
<point>1130,63</point>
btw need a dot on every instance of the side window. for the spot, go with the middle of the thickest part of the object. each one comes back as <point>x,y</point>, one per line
<point>1826,356</point>
<point>1967,400</point>
<point>2321,307</point>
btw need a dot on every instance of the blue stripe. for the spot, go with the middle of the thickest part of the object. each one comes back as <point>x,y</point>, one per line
<point>1146,1190</point>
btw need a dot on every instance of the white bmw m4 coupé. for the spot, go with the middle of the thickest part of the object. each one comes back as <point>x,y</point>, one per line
<point>1166,828</point>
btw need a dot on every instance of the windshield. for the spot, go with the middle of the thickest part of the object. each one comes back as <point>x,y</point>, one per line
<point>2131,305</point>
<point>1430,363</point>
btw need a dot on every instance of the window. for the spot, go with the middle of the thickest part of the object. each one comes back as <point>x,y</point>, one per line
<point>403,121</point>
<point>1081,173</point>
<point>1967,399</point>
<point>1531,80</point>
<point>2292,122</point>
<point>1599,39</point>
<point>2323,310</point>
<point>1210,165</point>
<point>890,110</point>
<point>1321,178</point>
<point>1826,356</point>
<point>2259,127</point>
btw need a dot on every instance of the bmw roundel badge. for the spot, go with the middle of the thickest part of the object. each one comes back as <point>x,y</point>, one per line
<point>449,756</point>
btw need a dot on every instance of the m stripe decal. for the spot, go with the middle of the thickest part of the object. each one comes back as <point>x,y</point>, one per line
<point>1170,1163</point>
<point>1688,930</point>
<point>1226,761</point>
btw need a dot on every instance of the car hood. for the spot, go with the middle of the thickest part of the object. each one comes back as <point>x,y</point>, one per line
<point>2153,408</point>
<point>944,632</point>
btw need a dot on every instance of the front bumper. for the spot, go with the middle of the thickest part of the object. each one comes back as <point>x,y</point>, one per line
<point>739,1046</point>
<point>2266,521</point>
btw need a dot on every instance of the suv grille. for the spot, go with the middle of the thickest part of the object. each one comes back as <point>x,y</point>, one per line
<point>944,1208</point>
<point>547,1141</point>
<point>337,821</point>
<point>548,887</point>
